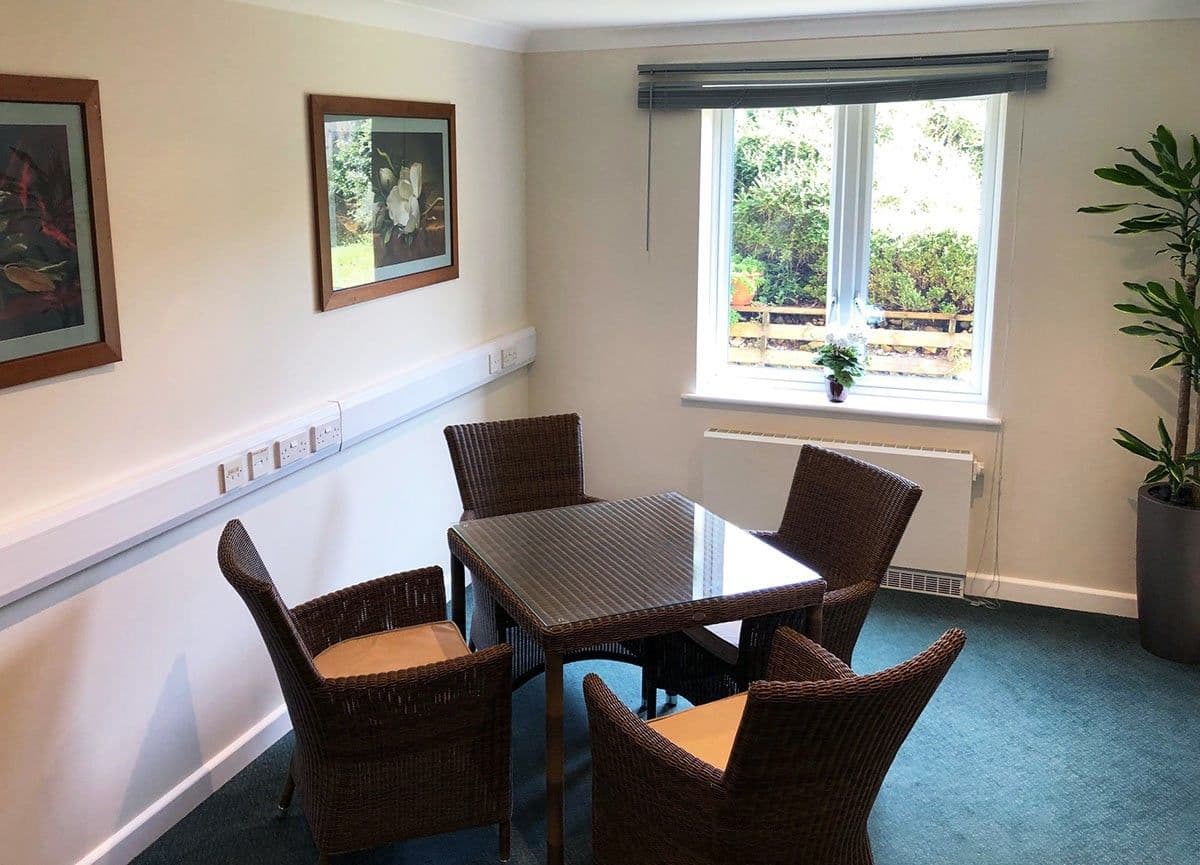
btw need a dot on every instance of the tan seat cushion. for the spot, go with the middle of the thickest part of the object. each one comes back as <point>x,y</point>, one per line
<point>398,649</point>
<point>707,731</point>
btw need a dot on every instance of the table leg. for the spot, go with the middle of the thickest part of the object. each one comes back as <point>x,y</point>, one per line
<point>554,758</point>
<point>649,683</point>
<point>814,620</point>
<point>458,594</point>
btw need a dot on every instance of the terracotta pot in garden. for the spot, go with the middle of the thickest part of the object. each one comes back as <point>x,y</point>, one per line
<point>745,285</point>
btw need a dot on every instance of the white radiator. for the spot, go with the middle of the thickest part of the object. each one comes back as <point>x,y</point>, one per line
<point>747,476</point>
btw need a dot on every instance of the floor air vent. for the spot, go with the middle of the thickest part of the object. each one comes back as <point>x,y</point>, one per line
<point>924,582</point>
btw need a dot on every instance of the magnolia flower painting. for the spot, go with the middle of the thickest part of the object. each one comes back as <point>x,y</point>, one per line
<point>411,206</point>
<point>389,204</point>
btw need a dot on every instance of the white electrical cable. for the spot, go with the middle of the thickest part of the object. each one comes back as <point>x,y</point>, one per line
<point>990,597</point>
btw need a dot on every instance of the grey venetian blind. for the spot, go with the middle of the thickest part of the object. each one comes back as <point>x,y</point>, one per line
<point>773,84</point>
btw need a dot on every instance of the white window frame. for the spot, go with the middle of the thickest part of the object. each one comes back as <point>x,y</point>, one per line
<point>849,256</point>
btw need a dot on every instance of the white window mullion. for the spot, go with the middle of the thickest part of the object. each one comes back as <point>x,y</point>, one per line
<point>716,235</point>
<point>850,210</point>
<point>985,265</point>
<point>866,162</point>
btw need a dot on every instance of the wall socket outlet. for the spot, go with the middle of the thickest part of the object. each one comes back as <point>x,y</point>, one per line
<point>262,462</point>
<point>293,449</point>
<point>325,435</point>
<point>234,474</point>
<point>508,357</point>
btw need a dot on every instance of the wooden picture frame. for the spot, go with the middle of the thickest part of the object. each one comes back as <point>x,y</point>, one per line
<point>385,186</point>
<point>58,300</point>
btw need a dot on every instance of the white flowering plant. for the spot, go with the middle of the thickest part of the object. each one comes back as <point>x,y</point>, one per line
<point>842,358</point>
<point>399,207</point>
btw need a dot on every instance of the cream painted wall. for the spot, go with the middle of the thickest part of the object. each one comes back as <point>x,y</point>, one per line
<point>617,325</point>
<point>206,145</point>
<point>118,683</point>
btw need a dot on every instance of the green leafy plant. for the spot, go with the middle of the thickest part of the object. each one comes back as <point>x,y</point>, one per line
<point>1172,319</point>
<point>842,360</point>
<point>1168,315</point>
<point>1174,472</point>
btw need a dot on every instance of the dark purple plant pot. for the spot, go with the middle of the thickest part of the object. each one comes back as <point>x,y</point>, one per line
<point>835,391</point>
<point>1168,578</point>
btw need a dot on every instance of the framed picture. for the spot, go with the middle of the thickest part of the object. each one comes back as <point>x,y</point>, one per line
<point>58,303</point>
<point>384,182</point>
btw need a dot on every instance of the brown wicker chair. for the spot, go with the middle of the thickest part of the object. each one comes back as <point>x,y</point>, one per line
<point>401,731</point>
<point>512,466</point>
<point>784,775</point>
<point>844,518</point>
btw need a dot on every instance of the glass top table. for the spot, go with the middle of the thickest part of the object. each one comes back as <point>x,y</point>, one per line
<point>620,570</point>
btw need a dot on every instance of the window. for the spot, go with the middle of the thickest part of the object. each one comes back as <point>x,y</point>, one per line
<point>871,222</point>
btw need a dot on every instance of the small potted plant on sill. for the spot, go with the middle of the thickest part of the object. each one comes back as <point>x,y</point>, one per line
<point>843,362</point>
<point>1168,502</point>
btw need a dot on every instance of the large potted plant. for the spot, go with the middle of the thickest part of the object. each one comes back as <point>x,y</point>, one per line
<point>1168,509</point>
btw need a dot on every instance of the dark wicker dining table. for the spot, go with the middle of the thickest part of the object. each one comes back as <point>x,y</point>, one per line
<point>615,571</point>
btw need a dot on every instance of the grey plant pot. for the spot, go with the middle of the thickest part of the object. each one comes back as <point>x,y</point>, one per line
<point>1168,578</point>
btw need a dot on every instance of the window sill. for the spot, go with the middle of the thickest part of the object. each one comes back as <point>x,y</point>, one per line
<point>857,406</point>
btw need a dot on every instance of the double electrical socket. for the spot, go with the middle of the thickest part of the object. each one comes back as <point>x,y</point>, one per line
<point>326,435</point>
<point>500,359</point>
<point>293,449</point>
<point>262,462</point>
<point>234,474</point>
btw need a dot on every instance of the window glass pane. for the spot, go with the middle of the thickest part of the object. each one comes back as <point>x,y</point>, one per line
<point>783,165</point>
<point>925,218</point>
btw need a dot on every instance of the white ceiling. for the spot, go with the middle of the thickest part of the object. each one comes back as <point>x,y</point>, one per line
<point>566,25</point>
<point>570,14</point>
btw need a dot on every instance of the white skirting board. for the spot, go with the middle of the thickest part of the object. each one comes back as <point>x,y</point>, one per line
<point>47,547</point>
<point>126,843</point>
<point>1060,595</point>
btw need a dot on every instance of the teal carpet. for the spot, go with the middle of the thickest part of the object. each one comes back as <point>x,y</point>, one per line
<point>1055,740</point>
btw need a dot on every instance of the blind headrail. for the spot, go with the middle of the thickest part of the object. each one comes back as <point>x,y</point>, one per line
<point>776,83</point>
<point>913,61</point>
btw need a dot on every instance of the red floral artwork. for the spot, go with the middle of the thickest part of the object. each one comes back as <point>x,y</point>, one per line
<point>40,288</point>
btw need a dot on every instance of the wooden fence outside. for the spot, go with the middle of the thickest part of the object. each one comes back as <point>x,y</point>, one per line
<point>912,352</point>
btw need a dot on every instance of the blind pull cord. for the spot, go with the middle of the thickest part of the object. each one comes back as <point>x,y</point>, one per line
<point>649,136</point>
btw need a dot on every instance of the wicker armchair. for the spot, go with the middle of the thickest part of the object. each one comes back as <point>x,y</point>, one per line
<point>512,466</point>
<point>401,731</point>
<point>844,518</point>
<point>784,775</point>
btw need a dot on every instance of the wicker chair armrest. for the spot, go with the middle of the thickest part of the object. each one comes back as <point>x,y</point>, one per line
<point>855,593</point>
<point>395,601</point>
<point>796,658</point>
<point>646,750</point>
<point>845,610</point>
<point>466,696</point>
<point>646,787</point>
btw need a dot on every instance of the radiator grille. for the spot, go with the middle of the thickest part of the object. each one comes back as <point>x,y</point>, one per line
<point>923,582</point>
